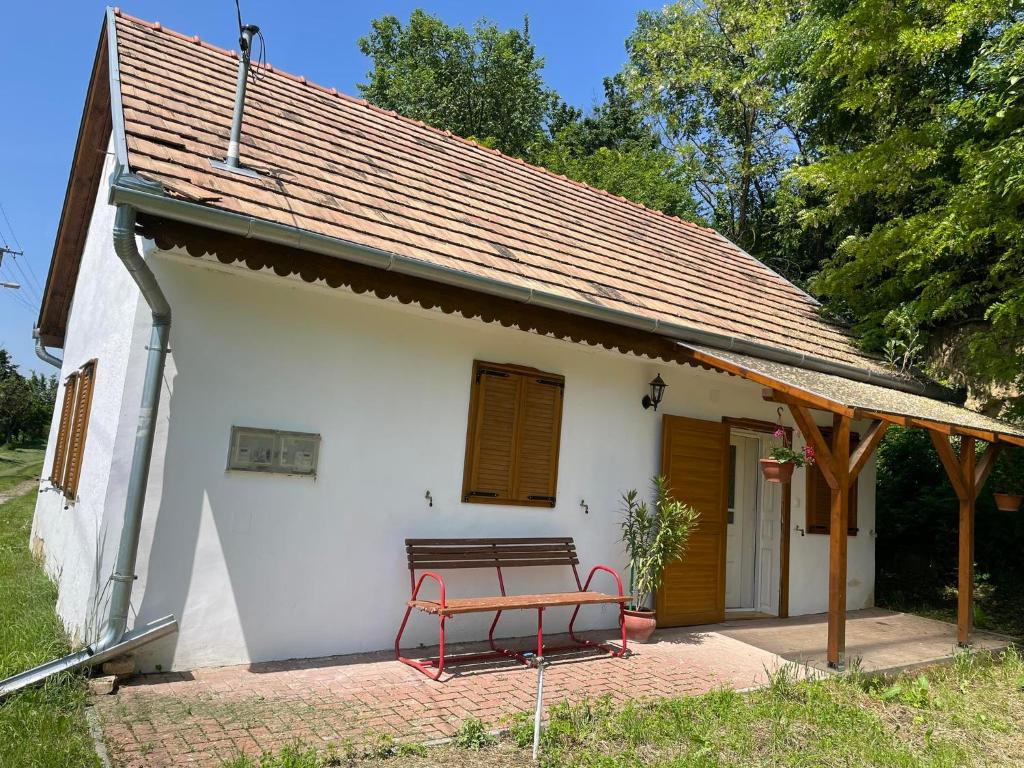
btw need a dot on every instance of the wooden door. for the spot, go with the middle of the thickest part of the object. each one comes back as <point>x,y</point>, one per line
<point>695,459</point>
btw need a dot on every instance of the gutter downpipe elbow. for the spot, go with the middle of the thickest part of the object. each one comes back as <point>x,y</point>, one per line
<point>124,568</point>
<point>43,353</point>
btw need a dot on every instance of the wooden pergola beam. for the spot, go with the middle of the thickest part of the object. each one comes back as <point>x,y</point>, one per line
<point>985,465</point>
<point>823,453</point>
<point>867,446</point>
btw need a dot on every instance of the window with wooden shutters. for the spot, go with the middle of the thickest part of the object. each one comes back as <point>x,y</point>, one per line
<point>79,428</point>
<point>515,417</point>
<point>60,452</point>
<point>819,495</point>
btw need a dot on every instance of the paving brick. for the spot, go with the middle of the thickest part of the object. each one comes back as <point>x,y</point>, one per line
<point>172,720</point>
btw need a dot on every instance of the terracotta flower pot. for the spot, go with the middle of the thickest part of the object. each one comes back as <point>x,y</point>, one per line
<point>777,471</point>
<point>640,625</point>
<point>1008,502</point>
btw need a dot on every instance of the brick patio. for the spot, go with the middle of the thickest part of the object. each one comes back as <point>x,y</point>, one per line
<point>209,715</point>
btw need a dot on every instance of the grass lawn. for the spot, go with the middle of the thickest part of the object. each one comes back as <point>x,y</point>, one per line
<point>45,726</point>
<point>968,714</point>
<point>20,464</point>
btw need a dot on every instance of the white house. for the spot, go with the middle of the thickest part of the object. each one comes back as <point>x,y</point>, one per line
<point>333,300</point>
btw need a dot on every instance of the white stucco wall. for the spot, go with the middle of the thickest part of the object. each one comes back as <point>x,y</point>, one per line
<point>267,567</point>
<point>78,538</point>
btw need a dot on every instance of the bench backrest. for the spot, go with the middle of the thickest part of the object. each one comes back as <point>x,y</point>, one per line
<point>439,554</point>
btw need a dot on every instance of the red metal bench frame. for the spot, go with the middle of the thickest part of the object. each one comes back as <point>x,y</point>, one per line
<point>562,552</point>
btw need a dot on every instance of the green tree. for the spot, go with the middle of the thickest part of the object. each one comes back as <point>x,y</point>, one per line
<point>917,181</point>
<point>484,84</point>
<point>716,76</point>
<point>26,404</point>
<point>616,149</point>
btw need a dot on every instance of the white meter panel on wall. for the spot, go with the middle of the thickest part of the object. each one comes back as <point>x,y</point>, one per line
<point>273,450</point>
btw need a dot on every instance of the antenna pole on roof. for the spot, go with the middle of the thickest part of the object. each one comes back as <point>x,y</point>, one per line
<point>233,161</point>
<point>245,41</point>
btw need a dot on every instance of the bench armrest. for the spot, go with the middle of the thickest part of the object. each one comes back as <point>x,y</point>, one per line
<point>440,584</point>
<point>606,569</point>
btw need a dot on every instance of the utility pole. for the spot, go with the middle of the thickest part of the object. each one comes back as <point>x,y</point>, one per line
<point>4,251</point>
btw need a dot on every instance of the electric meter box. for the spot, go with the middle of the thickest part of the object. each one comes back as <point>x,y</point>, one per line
<point>273,450</point>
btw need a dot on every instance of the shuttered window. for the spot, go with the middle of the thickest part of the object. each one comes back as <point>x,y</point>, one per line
<point>515,417</point>
<point>73,429</point>
<point>819,495</point>
<point>60,452</point>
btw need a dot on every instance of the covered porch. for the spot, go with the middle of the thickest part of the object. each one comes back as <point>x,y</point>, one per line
<point>958,435</point>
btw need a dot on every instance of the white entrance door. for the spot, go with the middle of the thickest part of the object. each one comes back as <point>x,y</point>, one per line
<point>740,570</point>
<point>769,546</point>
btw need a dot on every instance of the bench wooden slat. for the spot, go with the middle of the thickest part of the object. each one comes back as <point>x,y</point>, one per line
<point>515,602</point>
<point>422,549</point>
<point>493,556</point>
<point>446,564</point>
<point>457,542</point>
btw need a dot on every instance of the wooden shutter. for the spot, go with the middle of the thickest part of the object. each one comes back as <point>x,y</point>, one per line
<point>695,461</point>
<point>512,437</point>
<point>79,428</point>
<point>60,452</point>
<point>819,495</point>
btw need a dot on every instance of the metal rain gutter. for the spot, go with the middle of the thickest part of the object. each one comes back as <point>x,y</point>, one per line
<point>157,204</point>
<point>43,353</point>
<point>114,641</point>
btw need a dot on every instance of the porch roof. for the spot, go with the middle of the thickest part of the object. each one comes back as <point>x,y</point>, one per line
<point>859,399</point>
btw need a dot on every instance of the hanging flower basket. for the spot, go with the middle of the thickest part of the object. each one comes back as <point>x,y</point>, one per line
<point>1008,502</point>
<point>775,471</point>
<point>782,460</point>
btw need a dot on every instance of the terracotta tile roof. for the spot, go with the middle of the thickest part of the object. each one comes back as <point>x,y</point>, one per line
<point>340,167</point>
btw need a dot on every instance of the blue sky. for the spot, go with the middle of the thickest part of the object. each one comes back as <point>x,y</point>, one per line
<point>48,51</point>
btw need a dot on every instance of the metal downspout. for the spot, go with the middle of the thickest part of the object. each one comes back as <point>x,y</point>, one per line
<point>114,641</point>
<point>43,353</point>
<point>124,569</point>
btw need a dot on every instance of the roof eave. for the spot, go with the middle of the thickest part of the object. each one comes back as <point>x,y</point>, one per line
<point>148,198</point>
<point>101,116</point>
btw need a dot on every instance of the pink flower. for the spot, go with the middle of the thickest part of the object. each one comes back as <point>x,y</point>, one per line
<point>779,433</point>
<point>809,455</point>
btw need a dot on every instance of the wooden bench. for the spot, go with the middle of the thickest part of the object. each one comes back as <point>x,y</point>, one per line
<point>432,555</point>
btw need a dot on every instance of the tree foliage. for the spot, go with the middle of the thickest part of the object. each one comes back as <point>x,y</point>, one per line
<point>615,148</point>
<point>716,76</point>
<point>917,181</point>
<point>484,84</point>
<point>26,403</point>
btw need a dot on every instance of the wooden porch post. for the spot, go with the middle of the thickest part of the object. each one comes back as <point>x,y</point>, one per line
<point>840,470</point>
<point>839,524</point>
<point>967,476</point>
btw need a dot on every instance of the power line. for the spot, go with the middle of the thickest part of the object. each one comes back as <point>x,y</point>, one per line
<point>38,286</point>
<point>34,294</point>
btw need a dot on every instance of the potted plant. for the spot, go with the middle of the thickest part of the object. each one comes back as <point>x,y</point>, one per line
<point>1008,502</point>
<point>654,538</point>
<point>1010,480</point>
<point>782,460</point>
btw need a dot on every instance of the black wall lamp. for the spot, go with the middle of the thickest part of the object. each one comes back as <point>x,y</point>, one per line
<point>657,392</point>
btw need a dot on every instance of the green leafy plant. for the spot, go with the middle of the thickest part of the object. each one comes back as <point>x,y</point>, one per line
<point>473,734</point>
<point>783,452</point>
<point>654,537</point>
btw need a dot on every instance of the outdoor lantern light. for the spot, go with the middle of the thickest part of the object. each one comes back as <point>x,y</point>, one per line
<point>657,392</point>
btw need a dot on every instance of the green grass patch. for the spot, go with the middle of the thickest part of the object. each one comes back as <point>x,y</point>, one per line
<point>967,714</point>
<point>18,464</point>
<point>43,726</point>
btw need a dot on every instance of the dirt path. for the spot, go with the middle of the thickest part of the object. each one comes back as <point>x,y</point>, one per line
<point>19,490</point>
